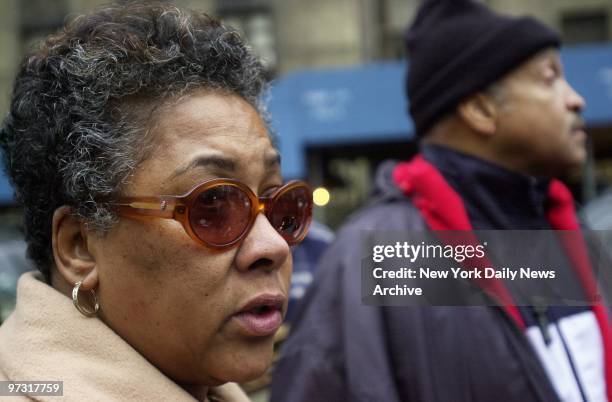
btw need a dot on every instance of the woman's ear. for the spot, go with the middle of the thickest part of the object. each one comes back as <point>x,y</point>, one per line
<point>73,259</point>
<point>479,112</point>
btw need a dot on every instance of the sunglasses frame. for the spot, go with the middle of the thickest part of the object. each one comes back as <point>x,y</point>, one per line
<point>178,207</point>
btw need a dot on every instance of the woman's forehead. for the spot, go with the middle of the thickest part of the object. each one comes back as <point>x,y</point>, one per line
<point>210,134</point>
<point>209,112</point>
<point>218,122</point>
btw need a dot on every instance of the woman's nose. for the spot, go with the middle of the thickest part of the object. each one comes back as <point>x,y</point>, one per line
<point>263,247</point>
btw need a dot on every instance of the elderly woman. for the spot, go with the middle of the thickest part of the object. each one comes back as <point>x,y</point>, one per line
<point>136,144</point>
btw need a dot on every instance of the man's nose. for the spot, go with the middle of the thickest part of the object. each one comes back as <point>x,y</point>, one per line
<point>574,100</point>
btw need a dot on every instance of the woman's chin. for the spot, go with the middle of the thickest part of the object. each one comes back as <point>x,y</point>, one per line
<point>243,366</point>
<point>250,371</point>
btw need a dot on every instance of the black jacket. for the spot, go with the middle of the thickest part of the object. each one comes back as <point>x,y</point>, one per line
<point>342,350</point>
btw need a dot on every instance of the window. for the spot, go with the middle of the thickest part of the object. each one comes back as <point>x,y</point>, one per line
<point>38,18</point>
<point>585,27</point>
<point>254,20</point>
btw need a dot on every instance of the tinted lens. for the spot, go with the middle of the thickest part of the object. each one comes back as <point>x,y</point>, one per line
<point>290,214</point>
<point>220,214</point>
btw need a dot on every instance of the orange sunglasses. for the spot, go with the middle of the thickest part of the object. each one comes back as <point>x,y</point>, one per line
<point>220,212</point>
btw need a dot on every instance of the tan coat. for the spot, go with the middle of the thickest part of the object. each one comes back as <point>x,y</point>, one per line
<point>47,339</point>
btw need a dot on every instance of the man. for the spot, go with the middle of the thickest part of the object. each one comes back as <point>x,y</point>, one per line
<point>496,121</point>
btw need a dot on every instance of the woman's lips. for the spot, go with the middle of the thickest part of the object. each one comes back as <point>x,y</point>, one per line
<point>262,316</point>
<point>265,324</point>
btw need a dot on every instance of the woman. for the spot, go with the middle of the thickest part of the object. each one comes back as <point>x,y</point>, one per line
<point>136,144</point>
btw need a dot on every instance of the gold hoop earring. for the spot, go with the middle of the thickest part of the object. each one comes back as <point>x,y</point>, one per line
<point>75,300</point>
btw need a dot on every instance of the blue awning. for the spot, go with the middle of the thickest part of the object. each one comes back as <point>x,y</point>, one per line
<point>6,191</point>
<point>589,70</point>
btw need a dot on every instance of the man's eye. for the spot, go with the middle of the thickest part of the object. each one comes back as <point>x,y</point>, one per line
<point>550,75</point>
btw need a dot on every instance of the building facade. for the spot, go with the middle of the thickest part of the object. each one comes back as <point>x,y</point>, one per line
<point>295,34</point>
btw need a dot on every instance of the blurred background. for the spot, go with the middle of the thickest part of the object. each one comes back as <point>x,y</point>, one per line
<point>337,100</point>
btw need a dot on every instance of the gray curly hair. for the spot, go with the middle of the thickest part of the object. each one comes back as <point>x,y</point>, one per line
<point>77,125</point>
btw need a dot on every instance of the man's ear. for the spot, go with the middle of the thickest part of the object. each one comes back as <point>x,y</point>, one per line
<point>479,112</point>
<point>73,259</point>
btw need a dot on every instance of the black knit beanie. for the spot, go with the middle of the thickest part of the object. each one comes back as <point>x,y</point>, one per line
<point>459,47</point>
